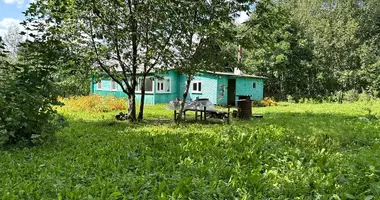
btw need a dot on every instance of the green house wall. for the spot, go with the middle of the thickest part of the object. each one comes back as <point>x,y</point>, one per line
<point>174,84</point>
<point>244,86</point>
<point>106,91</point>
<point>214,88</point>
<point>209,87</point>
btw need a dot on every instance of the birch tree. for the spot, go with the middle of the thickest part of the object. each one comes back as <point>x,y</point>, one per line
<point>12,39</point>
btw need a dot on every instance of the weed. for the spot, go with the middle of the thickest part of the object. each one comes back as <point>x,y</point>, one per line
<point>297,151</point>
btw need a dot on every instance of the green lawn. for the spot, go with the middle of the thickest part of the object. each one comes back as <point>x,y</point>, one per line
<point>301,151</point>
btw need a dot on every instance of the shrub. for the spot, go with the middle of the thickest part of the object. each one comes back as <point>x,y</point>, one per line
<point>351,96</point>
<point>290,99</point>
<point>364,96</point>
<point>94,103</point>
<point>267,101</point>
<point>256,103</point>
<point>26,98</point>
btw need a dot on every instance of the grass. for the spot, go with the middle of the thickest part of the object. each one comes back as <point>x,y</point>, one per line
<point>297,151</point>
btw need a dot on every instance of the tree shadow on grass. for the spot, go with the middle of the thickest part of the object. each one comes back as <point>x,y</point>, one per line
<point>318,128</point>
<point>157,149</point>
<point>321,129</point>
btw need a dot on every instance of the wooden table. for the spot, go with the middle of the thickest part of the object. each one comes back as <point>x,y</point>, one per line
<point>218,113</point>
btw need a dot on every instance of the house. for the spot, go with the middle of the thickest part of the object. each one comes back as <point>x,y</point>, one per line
<point>222,88</point>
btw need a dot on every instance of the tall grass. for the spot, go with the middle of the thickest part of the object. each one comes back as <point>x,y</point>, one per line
<point>94,103</point>
<point>297,151</point>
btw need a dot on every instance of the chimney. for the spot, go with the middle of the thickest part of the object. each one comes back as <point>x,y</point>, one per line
<point>237,71</point>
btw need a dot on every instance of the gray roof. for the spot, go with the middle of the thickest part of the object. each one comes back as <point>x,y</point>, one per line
<point>236,75</point>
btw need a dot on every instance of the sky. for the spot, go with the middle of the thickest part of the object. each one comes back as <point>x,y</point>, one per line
<point>11,13</point>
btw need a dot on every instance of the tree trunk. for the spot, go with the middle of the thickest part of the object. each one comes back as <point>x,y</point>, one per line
<point>142,101</point>
<point>132,106</point>
<point>188,81</point>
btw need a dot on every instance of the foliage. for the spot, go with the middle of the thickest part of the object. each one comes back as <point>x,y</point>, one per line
<point>26,98</point>
<point>283,57</point>
<point>317,48</point>
<point>124,38</point>
<point>72,69</point>
<point>297,151</point>
<point>121,37</point>
<point>94,103</point>
<point>267,101</point>
<point>351,96</point>
<point>205,26</point>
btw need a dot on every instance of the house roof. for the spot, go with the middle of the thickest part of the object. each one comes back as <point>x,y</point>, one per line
<point>236,75</point>
<point>140,70</point>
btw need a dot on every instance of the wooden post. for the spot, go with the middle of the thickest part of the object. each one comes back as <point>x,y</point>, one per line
<point>175,115</point>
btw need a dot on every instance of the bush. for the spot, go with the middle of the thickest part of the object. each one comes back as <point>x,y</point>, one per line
<point>290,99</point>
<point>351,96</point>
<point>267,101</point>
<point>95,103</point>
<point>26,98</point>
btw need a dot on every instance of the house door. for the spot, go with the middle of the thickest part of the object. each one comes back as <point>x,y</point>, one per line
<point>231,92</point>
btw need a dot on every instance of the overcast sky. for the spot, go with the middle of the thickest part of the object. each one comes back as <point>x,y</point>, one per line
<point>11,13</point>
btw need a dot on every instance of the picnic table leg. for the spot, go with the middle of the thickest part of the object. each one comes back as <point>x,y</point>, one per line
<point>228,116</point>
<point>204,113</point>
<point>196,115</point>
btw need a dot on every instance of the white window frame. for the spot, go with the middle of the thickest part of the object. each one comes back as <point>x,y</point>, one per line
<point>138,88</point>
<point>113,82</point>
<point>163,82</point>
<point>99,83</point>
<point>197,91</point>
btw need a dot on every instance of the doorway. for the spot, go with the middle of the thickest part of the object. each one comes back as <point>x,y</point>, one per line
<point>231,92</point>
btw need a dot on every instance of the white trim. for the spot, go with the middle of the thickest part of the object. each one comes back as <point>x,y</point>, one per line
<point>97,85</point>
<point>197,91</point>
<point>113,82</point>
<point>138,90</point>
<point>164,85</point>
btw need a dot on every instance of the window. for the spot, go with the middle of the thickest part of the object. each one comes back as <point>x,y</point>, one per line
<point>99,85</point>
<point>148,85</point>
<point>254,85</point>
<point>113,85</point>
<point>197,86</point>
<point>163,86</point>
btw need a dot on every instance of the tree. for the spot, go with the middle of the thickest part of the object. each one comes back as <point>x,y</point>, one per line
<point>276,47</point>
<point>369,34</point>
<point>127,37</point>
<point>27,97</point>
<point>121,37</point>
<point>204,28</point>
<point>317,47</point>
<point>13,38</point>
